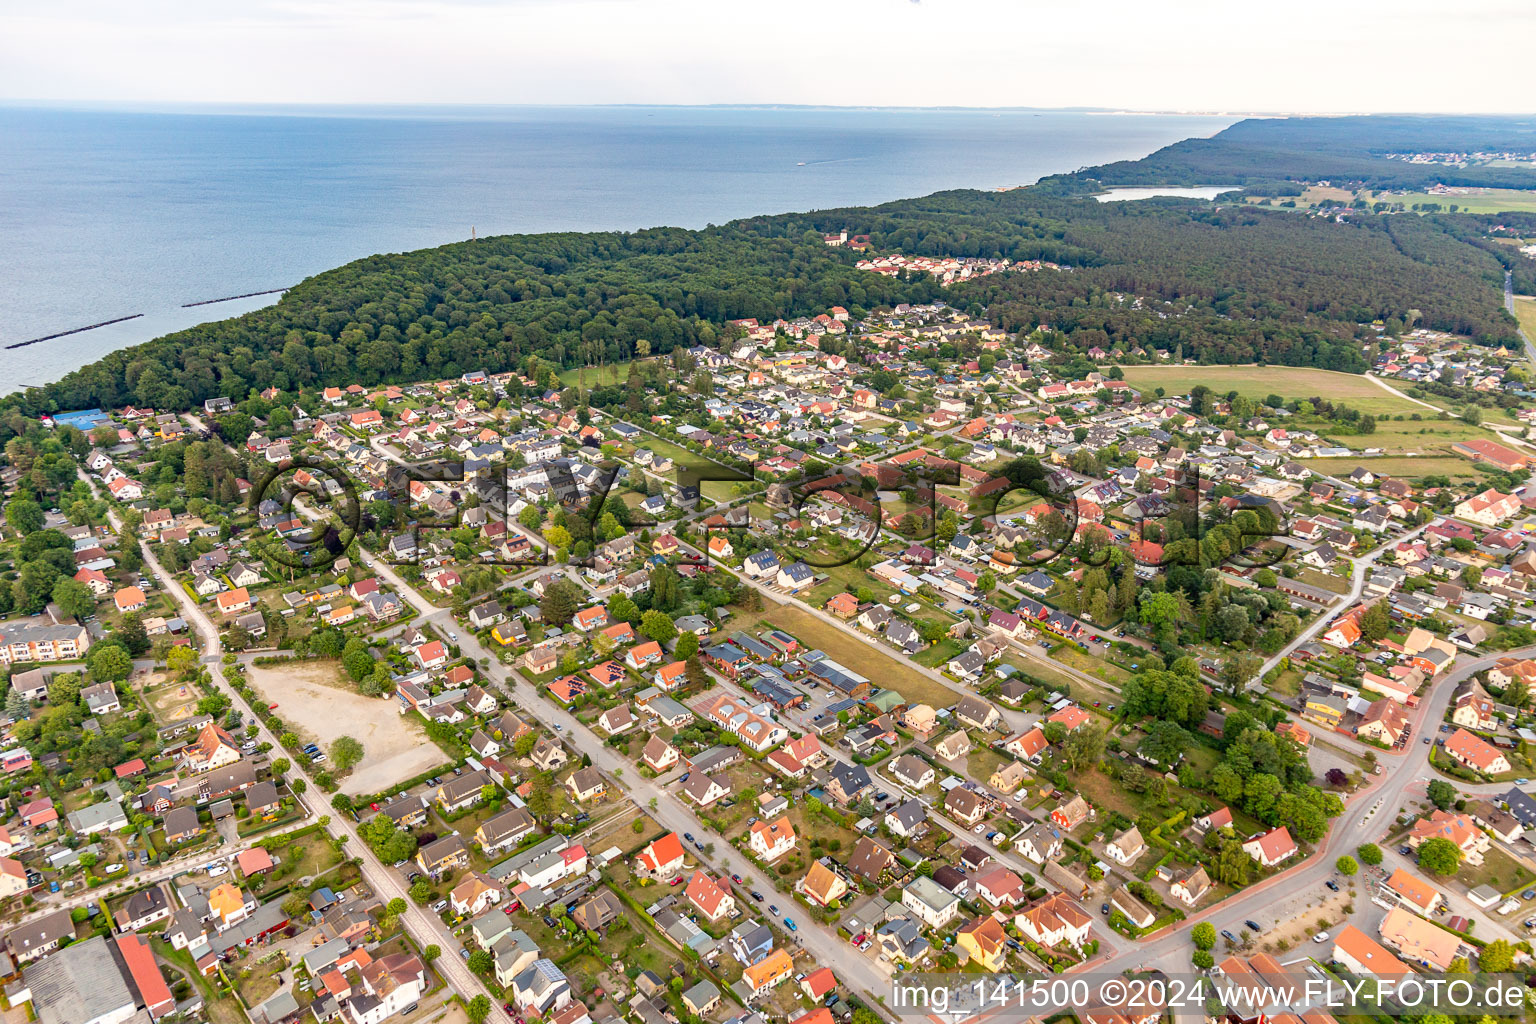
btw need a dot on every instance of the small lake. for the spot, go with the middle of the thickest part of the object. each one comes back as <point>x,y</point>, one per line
<point>1120,195</point>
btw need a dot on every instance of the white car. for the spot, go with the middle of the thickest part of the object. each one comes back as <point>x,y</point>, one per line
<point>1320,937</point>
<point>113,869</point>
<point>217,870</point>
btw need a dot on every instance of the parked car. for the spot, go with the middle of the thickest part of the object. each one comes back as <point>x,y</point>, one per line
<point>1104,909</point>
<point>1253,925</point>
<point>1226,934</point>
<point>1320,937</point>
<point>439,906</point>
<point>1332,885</point>
<point>757,896</point>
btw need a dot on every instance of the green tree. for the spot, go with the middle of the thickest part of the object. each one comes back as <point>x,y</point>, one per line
<point>1498,956</point>
<point>687,646</point>
<point>73,597</point>
<point>132,635</point>
<point>17,707</point>
<point>558,605</point>
<point>658,626</point>
<point>1203,959</point>
<point>346,752</point>
<point>1375,623</point>
<point>1441,793</point>
<point>1369,853</point>
<point>24,516</point>
<point>108,662</point>
<point>481,962</point>
<point>1346,866</point>
<point>1203,935</point>
<point>478,1008</point>
<point>622,609</point>
<point>420,891</point>
<point>1440,857</point>
<point>1083,747</point>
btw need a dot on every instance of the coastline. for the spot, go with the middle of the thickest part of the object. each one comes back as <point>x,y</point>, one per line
<point>267,221</point>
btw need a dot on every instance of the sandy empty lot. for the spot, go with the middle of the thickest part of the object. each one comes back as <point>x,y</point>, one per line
<point>320,707</point>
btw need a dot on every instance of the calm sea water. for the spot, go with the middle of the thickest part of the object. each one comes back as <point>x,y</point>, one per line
<point>107,214</point>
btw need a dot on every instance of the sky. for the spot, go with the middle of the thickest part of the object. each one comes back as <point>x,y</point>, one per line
<point>1184,55</point>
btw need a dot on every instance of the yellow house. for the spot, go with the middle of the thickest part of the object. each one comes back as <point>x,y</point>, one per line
<point>1325,710</point>
<point>505,639</point>
<point>984,942</point>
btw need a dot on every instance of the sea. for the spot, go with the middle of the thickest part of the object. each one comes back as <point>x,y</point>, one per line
<point>109,213</point>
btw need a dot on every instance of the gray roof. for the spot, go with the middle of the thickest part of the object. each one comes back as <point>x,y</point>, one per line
<point>39,933</point>
<point>81,982</point>
<point>105,814</point>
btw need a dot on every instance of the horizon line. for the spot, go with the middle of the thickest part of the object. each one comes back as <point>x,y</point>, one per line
<point>310,108</point>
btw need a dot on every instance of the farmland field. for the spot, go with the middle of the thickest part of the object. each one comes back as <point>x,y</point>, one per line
<point>1407,468</point>
<point>1354,390</point>
<point>1493,200</point>
<point>1525,312</point>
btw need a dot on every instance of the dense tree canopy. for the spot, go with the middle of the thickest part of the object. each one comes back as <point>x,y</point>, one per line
<point>1225,284</point>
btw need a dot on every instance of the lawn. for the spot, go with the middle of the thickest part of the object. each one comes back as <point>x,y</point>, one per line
<point>1083,662</point>
<point>1499,870</point>
<point>683,460</point>
<point>1404,468</point>
<point>1525,312</point>
<point>1317,578</point>
<point>257,982</point>
<point>851,578</point>
<point>983,761</point>
<point>1354,390</point>
<point>1492,200</point>
<point>593,376</point>
<point>1428,436</point>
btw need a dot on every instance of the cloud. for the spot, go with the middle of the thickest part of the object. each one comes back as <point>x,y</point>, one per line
<point>1126,54</point>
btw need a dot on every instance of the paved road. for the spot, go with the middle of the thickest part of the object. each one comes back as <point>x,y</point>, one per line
<point>1509,304</point>
<point>1357,585</point>
<point>387,884</point>
<point>1367,817</point>
<point>822,943</point>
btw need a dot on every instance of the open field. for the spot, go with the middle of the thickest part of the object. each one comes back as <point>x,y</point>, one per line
<point>1428,436</point>
<point>1492,200</point>
<point>1406,468</point>
<point>1525,312</point>
<point>592,376</point>
<point>684,460</point>
<point>1313,195</point>
<point>322,708</point>
<point>1354,390</point>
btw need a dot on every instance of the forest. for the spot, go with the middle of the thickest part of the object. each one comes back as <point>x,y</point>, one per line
<point>1264,152</point>
<point>1219,283</point>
